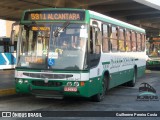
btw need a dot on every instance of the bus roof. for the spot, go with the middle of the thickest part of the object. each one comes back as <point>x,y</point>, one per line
<point>94,15</point>
<point>108,19</point>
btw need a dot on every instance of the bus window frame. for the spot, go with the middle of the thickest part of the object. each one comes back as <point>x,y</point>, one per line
<point>107,37</point>
<point>90,51</point>
<point>140,41</point>
<point>134,40</point>
<point>143,42</point>
<point>119,39</point>
<point>111,38</point>
<point>126,39</point>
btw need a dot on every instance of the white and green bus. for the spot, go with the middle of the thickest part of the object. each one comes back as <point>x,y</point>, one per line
<point>78,53</point>
<point>153,52</point>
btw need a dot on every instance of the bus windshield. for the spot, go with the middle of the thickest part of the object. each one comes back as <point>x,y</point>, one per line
<point>153,49</point>
<point>40,48</point>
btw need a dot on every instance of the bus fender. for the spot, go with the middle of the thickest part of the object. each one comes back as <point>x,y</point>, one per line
<point>108,76</point>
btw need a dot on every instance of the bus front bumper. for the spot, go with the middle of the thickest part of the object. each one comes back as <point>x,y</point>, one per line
<point>153,64</point>
<point>59,91</point>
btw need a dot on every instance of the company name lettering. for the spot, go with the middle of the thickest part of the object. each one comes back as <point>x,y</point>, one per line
<point>147,98</point>
<point>14,114</point>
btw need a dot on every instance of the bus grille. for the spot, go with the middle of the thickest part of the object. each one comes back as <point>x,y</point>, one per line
<point>45,92</point>
<point>49,76</point>
<point>48,84</point>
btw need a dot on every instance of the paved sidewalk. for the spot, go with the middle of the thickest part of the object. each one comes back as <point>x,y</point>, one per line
<point>7,82</point>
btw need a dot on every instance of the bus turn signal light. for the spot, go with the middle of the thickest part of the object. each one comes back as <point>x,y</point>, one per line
<point>82,83</point>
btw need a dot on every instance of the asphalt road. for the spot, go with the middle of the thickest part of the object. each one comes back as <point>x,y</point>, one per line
<point>7,79</point>
<point>119,99</point>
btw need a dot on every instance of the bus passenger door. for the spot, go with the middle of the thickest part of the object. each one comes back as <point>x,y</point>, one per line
<point>94,56</point>
<point>95,44</point>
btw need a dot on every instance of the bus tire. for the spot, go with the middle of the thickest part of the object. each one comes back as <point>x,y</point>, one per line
<point>133,81</point>
<point>100,96</point>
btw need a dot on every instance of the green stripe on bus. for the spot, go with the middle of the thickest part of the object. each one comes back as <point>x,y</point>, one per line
<point>103,63</point>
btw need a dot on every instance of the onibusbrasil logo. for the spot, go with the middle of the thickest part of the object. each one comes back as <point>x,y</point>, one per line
<point>147,93</point>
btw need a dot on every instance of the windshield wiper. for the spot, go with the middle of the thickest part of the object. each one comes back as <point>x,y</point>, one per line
<point>56,32</point>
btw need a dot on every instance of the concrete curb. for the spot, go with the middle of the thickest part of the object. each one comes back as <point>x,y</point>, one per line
<point>6,72</point>
<point>5,92</point>
<point>148,71</point>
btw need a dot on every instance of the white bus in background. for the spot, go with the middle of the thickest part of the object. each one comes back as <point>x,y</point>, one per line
<point>7,53</point>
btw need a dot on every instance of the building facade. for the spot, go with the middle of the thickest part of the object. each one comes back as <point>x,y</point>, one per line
<point>5,28</point>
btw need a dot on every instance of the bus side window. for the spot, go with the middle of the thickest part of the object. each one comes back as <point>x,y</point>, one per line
<point>139,42</point>
<point>6,46</point>
<point>134,42</point>
<point>114,39</point>
<point>98,46</point>
<point>121,40</point>
<point>143,42</point>
<point>105,39</point>
<point>1,47</point>
<point>12,48</point>
<point>128,41</point>
<point>94,47</point>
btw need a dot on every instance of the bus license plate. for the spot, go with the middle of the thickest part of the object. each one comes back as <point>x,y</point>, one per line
<point>71,89</point>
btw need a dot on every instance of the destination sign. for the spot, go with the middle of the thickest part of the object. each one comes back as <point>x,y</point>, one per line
<point>55,15</point>
<point>156,38</point>
<point>34,28</point>
<point>34,60</point>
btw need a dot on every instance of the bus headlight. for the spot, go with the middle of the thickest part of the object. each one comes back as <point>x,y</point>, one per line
<point>69,83</point>
<point>26,81</point>
<point>76,84</point>
<point>20,81</point>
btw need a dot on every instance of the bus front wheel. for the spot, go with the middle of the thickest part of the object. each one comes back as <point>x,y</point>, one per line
<point>100,96</point>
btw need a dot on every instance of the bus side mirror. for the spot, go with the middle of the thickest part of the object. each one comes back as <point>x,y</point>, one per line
<point>13,33</point>
<point>98,38</point>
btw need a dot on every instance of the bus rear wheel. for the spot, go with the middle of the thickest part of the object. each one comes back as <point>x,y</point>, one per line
<point>100,96</point>
<point>133,81</point>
